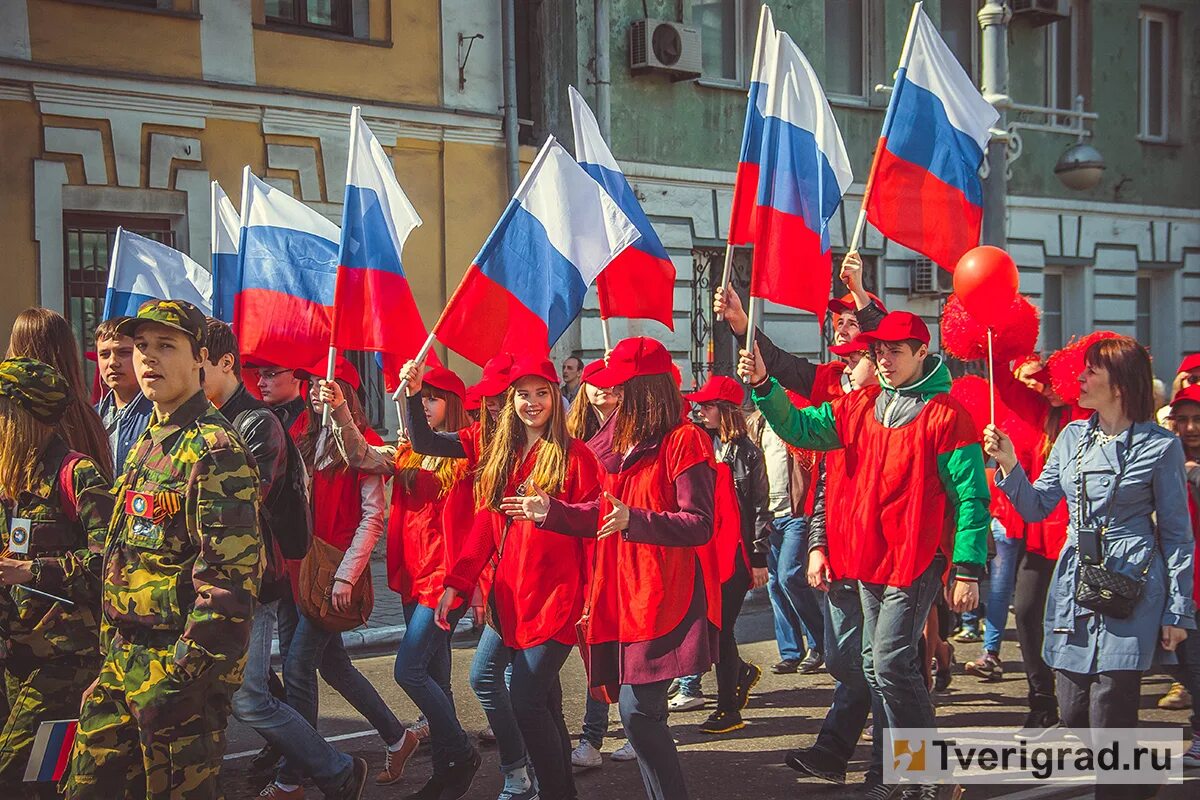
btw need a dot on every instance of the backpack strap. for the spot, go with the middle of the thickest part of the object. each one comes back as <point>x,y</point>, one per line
<point>66,484</point>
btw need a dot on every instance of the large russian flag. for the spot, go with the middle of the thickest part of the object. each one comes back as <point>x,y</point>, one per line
<point>924,191</point>
<point>802,177</point>
<point>143,269</point>
<point>745,183</point>
<point>640,281</point>
<point>288,253</point>
<point>527,284</point>
<point>374,307</point>
<point>226,230</point>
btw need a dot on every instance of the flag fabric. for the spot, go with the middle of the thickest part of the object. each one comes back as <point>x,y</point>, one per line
<point>226,230</point>
<point>924,191</point>
<point>745,183</point>
<point>374,307</point>
<point>640,282</point>
<point>804,172</point>
<point>51,751</point>
<point>288,255</point>
<point>559,231</point>
<point>143,269</point>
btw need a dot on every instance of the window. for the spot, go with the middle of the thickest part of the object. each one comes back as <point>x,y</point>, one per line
<point>1145,293</point>
<point>87,252</point>
<point>1155,74</point>
<point>960,30</point>
<point>1065,57</point>
<point>318,15</point>
<point>846,70</point>
<point>1052,311</point>
<point>726,40</point>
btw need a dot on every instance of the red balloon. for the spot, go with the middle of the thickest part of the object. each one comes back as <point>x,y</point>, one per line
<point>986,281</point>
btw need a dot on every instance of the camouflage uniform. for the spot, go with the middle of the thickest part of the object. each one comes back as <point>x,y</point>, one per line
<point>183,561</point>
<point>53,648</point>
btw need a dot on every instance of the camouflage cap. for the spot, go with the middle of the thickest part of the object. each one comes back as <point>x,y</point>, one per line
<point>36,387</point>
<point>178,314</point>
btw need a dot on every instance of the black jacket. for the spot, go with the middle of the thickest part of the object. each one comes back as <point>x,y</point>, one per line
<point>797,372</point>
<point>750,479</point>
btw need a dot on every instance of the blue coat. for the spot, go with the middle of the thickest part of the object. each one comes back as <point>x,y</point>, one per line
<point>1152,494</point>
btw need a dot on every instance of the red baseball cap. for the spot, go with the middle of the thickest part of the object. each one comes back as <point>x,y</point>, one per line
<point>342,369</point>
<point>1188,394</point>
<point>538,366</point>
<point>472,400</point>
<point>896,327</point>
<point>590,370</point>
<point>845,303</point>
<point>856,345</point>
<point>718,387</point>
<point>447,381</point>
<point>495,378</point>
<point>639,355</point>
<point>1189,363</point>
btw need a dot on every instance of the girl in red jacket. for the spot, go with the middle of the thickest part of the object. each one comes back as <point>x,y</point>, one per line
<point>536,595</point>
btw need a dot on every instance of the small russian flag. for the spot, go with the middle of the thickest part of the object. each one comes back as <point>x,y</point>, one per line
<point>51,751</point>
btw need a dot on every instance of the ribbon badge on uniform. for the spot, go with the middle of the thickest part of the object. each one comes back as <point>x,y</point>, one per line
<point>166,505</point>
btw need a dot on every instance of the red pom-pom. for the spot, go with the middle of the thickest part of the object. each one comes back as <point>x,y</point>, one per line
<point>965,338</point>
<point>972,392</point>
<point>1066,364</point>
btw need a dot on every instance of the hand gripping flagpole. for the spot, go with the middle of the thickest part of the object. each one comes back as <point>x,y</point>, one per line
<point>398,395</point>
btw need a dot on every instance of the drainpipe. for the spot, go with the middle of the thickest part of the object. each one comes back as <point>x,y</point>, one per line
<point>993,24</point>
<point>511,125</point>
<point>603,82</point>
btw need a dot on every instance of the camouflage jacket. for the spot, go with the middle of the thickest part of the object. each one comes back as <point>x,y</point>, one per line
<point>184,556</point>
<point>67,544</point>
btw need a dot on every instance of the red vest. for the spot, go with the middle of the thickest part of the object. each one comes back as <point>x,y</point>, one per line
<point>420,538</point>
<point>727,524</point>
<point>886,502</point>
<point>337,500</point>
<point>827,383</point>
<point>639,592</point>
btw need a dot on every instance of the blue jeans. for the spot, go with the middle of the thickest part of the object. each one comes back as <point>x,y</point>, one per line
<point>489,684</point>
<point>595,722</point>
<point>644,714</point>
<point>313,648</point>
<point>278,723</point>
<point>797,605</point>
<point>423,672</point>
<point>852,696</point>
<point>689,686</point>
<point>1002,579</point>
<point>537,704</point>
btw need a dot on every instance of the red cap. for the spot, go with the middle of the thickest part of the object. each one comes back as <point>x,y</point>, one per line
<point>639,355</point>
<point>495,378</point>
<point>590,370</point>
<point>1188,394</point>
<point>342,369</point>
<point>1189,363</point>
<point>845,303</point>
<point>718,387</point>
<point>856,345</point>
<point>447,381</point>
<point>538,366</point>
<point>472,400</point>
<point>896,327</point>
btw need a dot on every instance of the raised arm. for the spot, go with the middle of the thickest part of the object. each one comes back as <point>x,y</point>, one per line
<point>811,428</point>
<point>425,440</point>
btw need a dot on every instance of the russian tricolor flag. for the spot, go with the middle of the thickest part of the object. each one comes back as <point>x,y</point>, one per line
<point>803,173</point>
<point>51,753</point>
<point>226,230</point>
<point>374,308</point>
<point>143,269</point>
<point>924,191</point>
<point>640,281</point>
<point>559,231</point>
<point>288,254</point>
<point>745,184</point>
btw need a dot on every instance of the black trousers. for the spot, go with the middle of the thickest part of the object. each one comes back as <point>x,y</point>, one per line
<point>733,595</point>
<point>1103,700</point>
<point>1034,574</point>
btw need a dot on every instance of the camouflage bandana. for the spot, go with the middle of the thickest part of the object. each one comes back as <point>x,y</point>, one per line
<point>36,387</point>
<point>178,314</point>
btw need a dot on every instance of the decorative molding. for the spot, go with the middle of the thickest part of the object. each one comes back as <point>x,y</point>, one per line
<point>165,148</point>
<point>49,177</point>
<point>85,142</point>
<point>195,184</point>
<point>22,92</point>
<point>302,160</point>
<point>14,29</point>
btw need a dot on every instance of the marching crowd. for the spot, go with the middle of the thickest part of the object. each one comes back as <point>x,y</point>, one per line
<point>156,544</point>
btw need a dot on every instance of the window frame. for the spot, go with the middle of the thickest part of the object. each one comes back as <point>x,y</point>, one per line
<point>841,98</point>
<point>1060,313</point>
<point>1053,66</point>
<point>974,68</point>
<point>341,27</point>
<point>745,49</point>
<point>1146,17</point>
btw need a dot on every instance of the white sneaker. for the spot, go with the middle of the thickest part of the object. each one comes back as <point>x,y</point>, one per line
<point>685,702</point>
<point>586,756</point>
<point>1192,757</point>
<point>624,753</point>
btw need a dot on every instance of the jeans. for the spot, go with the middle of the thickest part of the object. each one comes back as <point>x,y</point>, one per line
<point>1002,580</point>
<point>537,704</point>
<point>644,715</point>
<point>313,648</point>
<point>595,722</point>
<point>488,682</point>
<point>729,665</point>
<point>278,723</point>
<point>1101,700</point>
<point>852,696</point>
<point>797,605</point>
<point>893,621</point>
<point>689,686</point>
<point>423,672</point>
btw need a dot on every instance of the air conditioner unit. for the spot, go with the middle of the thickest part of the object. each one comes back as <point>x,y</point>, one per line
<point>927,279</point>
<point>1041,12</point>
<point>669,48</point>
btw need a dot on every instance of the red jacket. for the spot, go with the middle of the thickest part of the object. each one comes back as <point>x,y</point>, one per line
<point>337,500</point>
<point>421,536</point>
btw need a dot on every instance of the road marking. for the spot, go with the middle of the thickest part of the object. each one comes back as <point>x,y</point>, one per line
<point>331,739</point>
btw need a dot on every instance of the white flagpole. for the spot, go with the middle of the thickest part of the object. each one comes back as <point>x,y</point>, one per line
<point>607,337</point>
<point>991,379</point>
<point>112,269</point>
<point>332,363</point>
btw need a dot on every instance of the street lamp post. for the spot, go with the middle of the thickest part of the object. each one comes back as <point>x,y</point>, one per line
<point>993,24</point>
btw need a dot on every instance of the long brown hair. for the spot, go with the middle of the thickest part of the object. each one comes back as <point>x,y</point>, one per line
<point>1129,371</point>
<point>447,470</point>
<point>310,427</point>
<point>502,455</point>
<point>731,422</point>
<point>46,335</point>
<point>24,438</point>
<point>650,407</point>
<point>583,421</point>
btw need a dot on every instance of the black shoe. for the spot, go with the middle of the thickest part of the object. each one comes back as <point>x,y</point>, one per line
<point>459,774</point>
<point>748,677</point>
<point>818,764</point>
<point>722,722</point>
<point>812,662</point>
<point>352,789</point>
<point>265,761</point>
<point>786,666</point>
<point>1039,722</point>
<point>432,789</point>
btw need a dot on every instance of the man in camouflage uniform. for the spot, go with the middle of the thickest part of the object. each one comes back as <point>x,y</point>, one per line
<point>53,538</point>
<point>183,561</point>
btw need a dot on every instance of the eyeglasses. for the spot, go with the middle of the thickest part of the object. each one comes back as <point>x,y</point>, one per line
<point>274,373</point>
